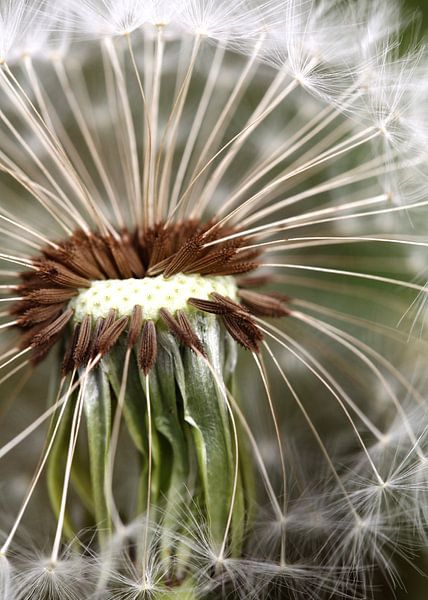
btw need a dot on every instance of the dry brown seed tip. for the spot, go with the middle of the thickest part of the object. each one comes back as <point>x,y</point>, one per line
<point>208,306</point>
<point>185,255</point>
<point>175,328</point>
<point>237,320</point>
<point>148,348</point>
<point>212,260</point>
<point>68,362</point>
<point>256,281</point>
<point>81,348</point>
<point>159,246</point>
<point>264,305</point>
<point>119,254</point>
<point>101,252</point>
<point>51,295</point>
<point>181,328</point>
<point>102,326</point>
<point>196,343</point>
<point>76,255</point>
<point>109,320</point>
<point>40,352</point>
<point>244,331</point>
<point>39,314</point>
<point>229,304</point>
<point>110,336</point>
<point>98,329</point>
<point>135,326</point>
<point>59,275</point>
<point>235,268</point>
<point>135,260</point>
<point>51,330</point>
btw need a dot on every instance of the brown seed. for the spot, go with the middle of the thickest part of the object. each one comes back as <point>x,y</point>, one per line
<point>229,304</point>
<point>109,320</point>
<point>121,260</point>
<point>251,282</point>
<point>244,331</point>
<point>81,349</point>
<point>49,331</point>
<point>57,274</point>
<point>161,247</point>
<point>263,305</point>
<point>110,336</point>
<point>181,328</point>
<point>40,314</point>
<point>195,342</point>
<point>185,256</point>
<point>213,260</point>
<point>100,249</point>
<point>208,306</point>
<point>148,348</point>
<point>173,326</point>
<point>51,295</point>
<point>99,327</point>
<point>135,326</point>
<point>234,268</point>
<point>28,335</point>
<point>76,255</point>
<point>40,352</point>
<point>68,361</point>
<point>134,260</point>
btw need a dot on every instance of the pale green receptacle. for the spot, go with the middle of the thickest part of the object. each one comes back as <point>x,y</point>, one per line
<point>151,293</point>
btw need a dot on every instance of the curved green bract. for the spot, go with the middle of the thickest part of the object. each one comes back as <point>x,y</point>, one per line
<point>195,446</point>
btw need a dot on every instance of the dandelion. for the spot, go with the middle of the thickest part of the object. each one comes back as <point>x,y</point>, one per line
<point>210,216</point>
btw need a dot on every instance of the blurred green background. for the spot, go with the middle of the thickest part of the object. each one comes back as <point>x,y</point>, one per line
<point>416,587</point>
<point>422,5</point>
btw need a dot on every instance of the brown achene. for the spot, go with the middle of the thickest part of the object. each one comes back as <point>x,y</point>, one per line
<point>65,268</point>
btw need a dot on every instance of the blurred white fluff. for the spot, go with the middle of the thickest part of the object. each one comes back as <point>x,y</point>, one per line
<point>5,578</point>
<point>218,19</point>
<point>70,578</point>
<point>24,27</point>
<point>31,28</point>
<point>106,17</point>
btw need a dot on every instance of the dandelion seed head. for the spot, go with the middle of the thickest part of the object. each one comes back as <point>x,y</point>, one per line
<point>202,176</point>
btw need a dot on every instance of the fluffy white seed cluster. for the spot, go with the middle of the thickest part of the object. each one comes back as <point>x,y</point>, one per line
<point>151,293</point>
<point>342,52</point>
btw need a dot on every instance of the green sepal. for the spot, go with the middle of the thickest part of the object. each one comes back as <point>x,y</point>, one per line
<point>165,401</point>
<point>82,482</point>
<point>206,412</point>
<point>134,408</point>
<point>135,416</point>
<point>97,407</point>
<point>56,463</point>
<point>246,469</point>
<point>245,490</point>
